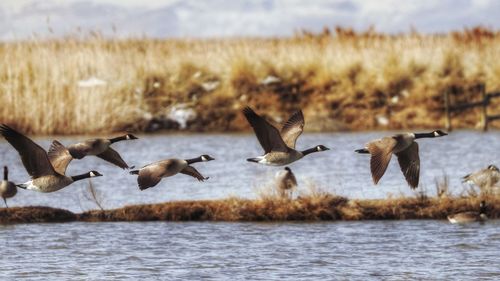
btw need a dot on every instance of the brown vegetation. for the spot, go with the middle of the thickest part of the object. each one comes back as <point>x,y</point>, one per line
<point>322,207</point>
<point>343,80</point>
<point>35,214</point>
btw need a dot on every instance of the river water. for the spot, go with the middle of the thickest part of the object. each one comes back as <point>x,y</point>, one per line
<point>366,250</point>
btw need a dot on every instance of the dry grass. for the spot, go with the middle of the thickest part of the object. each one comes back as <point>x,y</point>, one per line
<point>35,215</point>
<point>343,80</point>
<point>324,207</point>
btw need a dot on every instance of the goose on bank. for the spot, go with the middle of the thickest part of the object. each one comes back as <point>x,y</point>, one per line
<point>484,178</point>
<point>467,217</point>
<point>7,188</point>
<point>151,174</point>
<point>60,156</point>
<point>279,147</point>
<point>406,150</point>
<point>36,161</point>
<point>286,182</point>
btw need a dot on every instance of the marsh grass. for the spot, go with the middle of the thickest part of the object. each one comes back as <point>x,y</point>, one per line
<point>341,79</point>
<point>321,207</point>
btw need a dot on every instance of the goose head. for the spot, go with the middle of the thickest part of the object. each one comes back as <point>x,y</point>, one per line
<point>93,174</point>
<point>288,169</point>
<point>130,137</point>
<point>206,158</point>
<point>321,148</point>
<point>493,168</point>
<point>439,133</point>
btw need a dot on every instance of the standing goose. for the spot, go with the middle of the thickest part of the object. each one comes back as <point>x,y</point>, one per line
<point>36,161</point>
<point>100,147</point>
<point>286,182</point>
<point>466,217</point>
<point>151,174</point>
<point>405,148</point>
<point>279,148</point>
<point>7,188</point>
<point>484,178</point>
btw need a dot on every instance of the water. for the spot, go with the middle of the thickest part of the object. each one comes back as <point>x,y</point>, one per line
<point>368,250</point>
<point>339,170</point>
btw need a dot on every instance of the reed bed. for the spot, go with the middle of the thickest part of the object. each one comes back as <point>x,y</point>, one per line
<point>324,207</point>
<point>343,80</point>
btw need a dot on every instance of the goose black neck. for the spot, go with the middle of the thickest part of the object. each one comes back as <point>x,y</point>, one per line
<point>80,177</point>
<point>424,135</point>
<point>309,151</point>
<point>117,139</point>
<point>5,173</point>
<point>482,209</point>
<point>194,160</point>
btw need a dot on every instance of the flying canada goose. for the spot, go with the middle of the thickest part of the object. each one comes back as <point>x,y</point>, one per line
<point>151,174</point>
<point>7,188</point>
<point>100,147</point>
<point>405,148</point>
<point>485,178</point>
<point>286,182</point>
<point>279,148</point>
<point>36,161</point>
<point>466,217</point>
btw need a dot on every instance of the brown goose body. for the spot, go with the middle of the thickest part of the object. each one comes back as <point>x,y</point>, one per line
<point>44,178</point>
<point>484,178</point>
<point>151,174</point>
<point>406,150</point>
<point>286,182</point>
<point>279,147</point>
<point>7,188</point>
<point>471,216</point>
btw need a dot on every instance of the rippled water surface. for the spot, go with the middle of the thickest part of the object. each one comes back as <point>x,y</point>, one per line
<point>368,250</point>
<point>339,170</point>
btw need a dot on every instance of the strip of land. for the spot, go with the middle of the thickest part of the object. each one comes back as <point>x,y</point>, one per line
<point>323,207</point>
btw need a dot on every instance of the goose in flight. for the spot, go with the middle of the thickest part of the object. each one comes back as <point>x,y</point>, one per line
<point>44,178</point>
<point>151,174</point>
<point>60,156</point>
<point>279,147</point>
<point>406,150</point>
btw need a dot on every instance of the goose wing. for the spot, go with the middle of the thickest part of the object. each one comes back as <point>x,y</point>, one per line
<point>269,137</point>
<point>409,161</point>
<point>33,156</point>
<point>112,156</point>
<point>149,176</point>
<point>292,129</point>
<point>381,152</point>
<point>59,157</point>
<point>191,171</point>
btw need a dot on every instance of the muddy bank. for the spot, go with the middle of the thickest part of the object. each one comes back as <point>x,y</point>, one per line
<point>317,208</point>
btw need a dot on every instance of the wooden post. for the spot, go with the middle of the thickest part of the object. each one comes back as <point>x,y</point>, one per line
<point>447,123</point>
<point>484,114</point>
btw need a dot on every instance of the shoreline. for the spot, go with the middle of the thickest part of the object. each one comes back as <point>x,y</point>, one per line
<point>325,207</point>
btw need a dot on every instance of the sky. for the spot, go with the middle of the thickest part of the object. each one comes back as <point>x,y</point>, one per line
<point>20,19</point>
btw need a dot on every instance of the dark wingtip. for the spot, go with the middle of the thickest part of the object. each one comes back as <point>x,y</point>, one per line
<point>362,150</point>
<point>252,160</point>
<point>134,172</point>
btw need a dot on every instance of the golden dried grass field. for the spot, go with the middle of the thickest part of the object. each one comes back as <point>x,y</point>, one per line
<point>342,80</point>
